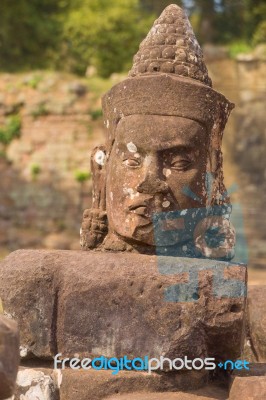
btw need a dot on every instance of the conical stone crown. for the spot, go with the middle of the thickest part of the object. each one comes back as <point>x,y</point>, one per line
<point>171,47</point>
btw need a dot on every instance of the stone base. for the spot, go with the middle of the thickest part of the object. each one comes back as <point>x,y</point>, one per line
<point>257,323</point>
<point>248,388</point>
<point>89,304</point>
<point>9,356</point>
<point>249,384</point>
<point>208,393</point>
<point>50,384</point>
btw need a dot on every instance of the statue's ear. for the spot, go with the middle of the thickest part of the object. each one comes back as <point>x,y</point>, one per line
<point>98,169</point>
<point>213,161</point>
<point>94,226</point>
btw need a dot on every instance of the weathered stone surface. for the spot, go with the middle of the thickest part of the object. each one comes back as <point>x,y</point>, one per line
<point>95,304</point>
<point>30,299</point>
<point>94,385</point>
<point>257,321</point>
<point>248,388</point>
<point>207,393</point>
<point>255,369</point>
<point>33,384</point>
<point>67,384</point>
<point>9,356</point>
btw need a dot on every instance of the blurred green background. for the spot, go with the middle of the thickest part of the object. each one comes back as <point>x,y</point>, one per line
<point>69,35</point>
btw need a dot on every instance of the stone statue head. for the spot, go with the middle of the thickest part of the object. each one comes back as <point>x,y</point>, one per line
<point>164,127</point>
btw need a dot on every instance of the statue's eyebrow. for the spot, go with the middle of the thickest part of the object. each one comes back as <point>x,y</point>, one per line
<point>179,149</point>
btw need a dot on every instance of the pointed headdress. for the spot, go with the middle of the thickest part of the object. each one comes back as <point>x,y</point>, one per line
<point>168,77</point>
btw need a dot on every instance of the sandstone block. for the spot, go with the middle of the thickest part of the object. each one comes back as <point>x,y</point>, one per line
<point>30,300</point>
<point>255,369</point>
<point>257,320</point>
<point>97,385</point>
<point>248,388</point>
<point>207,393</point>
<point>48,384</point>
<point>93,304</point>
<point>9,356</point>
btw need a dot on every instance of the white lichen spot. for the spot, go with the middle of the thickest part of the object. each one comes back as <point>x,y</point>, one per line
<point>166,204</point>
<point>132,147</point>
<point>23,351</point>
<point>107,124</point>
<point>129,191</point>
<point>148,160</point>
<point>99,157</point>
<point>184,248</point>
<point>167,172</point>
<point>183,212</point>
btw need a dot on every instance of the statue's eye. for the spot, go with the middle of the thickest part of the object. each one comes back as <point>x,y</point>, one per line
<point>131,162</point>
<point>180,164</point>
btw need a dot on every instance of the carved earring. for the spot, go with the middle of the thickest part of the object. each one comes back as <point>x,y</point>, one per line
<point>94,226</point>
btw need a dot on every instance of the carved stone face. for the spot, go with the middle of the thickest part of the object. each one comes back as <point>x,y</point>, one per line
<point>153,161</point>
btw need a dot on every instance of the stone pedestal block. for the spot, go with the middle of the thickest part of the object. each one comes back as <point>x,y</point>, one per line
<point>9,356</point>
<point>247,388</point>
<point>96,385</point>
<point>48,384</point>
<point>208,393</point>
<point>91,304</point>
<point>257,321</point>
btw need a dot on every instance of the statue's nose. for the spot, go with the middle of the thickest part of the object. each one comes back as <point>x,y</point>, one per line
<point>152,185</point>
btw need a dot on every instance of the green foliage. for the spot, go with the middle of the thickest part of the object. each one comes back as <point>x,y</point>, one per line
<point>29,32</point>
<point>40,110</point>
<point>104,34</point>
<point>10,130</point>
<point>34,81</point>
<point>238,47</point>
<point>254,15</point>
<point>260,34</point>
<point>73,34</point>
<point>96,114</point>
<point>35,170</point>
<point>98,85</point>
<point>157,6</point>
<point>82,176</point>
<point>3,154</point>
